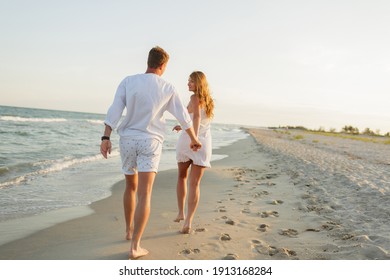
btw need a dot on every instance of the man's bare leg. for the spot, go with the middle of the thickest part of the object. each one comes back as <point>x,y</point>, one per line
<point>142,212</point>
<point>193,196</point>
<point>129,202</point>
<point>181,189</point>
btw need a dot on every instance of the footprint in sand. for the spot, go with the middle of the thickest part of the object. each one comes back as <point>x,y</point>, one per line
<point>230,222</point>
<point>245,211</point>
<point>200,230</point>
<point>330,225</point>
<point>306,196</point>
<point>230,257</point>
<point>276,202</point>
<point>189,251</point>
<point>225,237</point>
<point>267,214</point>
<point>347,236</point>
<point>271,176</point>
<point>238,178</point>
<point>259,194</point>
<point>327,227</point>
<point>262,227</point>
<point>265,249</point>
<point>269,184</point>
<point>313,229</point>
<point>314,208</point>
<point>289,232</point>
<point>221,209</point>
<point>287,252</point>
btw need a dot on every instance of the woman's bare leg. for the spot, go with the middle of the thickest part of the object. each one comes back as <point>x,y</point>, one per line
<point>196,175</point>
<point>181,188</point>
<point>129,202</point>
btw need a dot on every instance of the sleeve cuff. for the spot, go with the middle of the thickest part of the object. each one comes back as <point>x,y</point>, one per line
<point>106,122</point>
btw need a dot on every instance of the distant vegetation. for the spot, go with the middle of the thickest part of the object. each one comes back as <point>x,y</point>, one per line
<point>347,131</point>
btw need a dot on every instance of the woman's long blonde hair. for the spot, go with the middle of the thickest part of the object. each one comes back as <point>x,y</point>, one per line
<point>202,91</point>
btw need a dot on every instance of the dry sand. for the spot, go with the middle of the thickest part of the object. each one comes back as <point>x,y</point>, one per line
<point>266,200</point>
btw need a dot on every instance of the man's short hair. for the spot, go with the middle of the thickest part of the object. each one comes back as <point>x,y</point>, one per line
<point>157,57</point>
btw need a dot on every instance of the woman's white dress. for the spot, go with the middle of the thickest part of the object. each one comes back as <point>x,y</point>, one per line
<point>201,157</point>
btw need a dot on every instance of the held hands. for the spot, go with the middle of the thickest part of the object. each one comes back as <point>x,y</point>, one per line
<point>195,145</point>
<point>105,147</point>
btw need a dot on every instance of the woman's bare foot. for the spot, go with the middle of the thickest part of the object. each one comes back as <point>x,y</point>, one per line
<point>129,234</point>
<point>185,230</point>
<point>180,217</point>
<point>135,254</point>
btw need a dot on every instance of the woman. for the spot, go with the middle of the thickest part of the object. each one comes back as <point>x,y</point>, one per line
<point>201,109</point>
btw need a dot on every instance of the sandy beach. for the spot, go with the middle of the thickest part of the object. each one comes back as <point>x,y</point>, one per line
<point>275,197</point>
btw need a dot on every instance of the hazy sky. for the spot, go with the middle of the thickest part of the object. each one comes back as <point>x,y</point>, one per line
<point>269,62</point>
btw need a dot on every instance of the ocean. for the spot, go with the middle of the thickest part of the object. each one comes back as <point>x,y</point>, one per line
<point>51,168</point>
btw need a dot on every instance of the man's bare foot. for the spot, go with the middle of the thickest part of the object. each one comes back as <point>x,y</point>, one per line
<point>135,254</point>
<point>179,218</point>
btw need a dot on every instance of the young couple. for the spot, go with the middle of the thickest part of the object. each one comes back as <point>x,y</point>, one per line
<point>146,97</point>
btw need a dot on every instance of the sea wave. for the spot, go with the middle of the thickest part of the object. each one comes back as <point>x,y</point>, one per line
<point>3,170</point>
<point>54,166</point>
<point>99,122</point>
<point>22,119</point>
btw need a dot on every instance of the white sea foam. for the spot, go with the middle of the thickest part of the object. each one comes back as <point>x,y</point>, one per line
<point>22,119</point>
<point>54,166</point>
<point>99,122</point>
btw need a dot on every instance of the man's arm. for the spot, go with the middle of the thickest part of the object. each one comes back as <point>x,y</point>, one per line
<point>105,146</point>
<point>176,108</point>
<point>113,116</point>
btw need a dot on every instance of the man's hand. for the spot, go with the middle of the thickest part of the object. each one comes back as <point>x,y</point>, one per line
<point>177,128</point>
<point>105,147</point>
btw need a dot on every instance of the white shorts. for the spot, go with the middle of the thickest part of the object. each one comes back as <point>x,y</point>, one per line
<point>139,155</point>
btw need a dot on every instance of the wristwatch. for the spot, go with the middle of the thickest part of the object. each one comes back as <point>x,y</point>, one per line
<point>105,138</point>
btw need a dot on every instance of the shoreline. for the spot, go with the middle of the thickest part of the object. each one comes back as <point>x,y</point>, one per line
<point>251,208</point>
<point>16,248</point>
<point>18,228</point>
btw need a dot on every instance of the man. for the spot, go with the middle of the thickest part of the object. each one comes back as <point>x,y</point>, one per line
<point>146,97</point>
